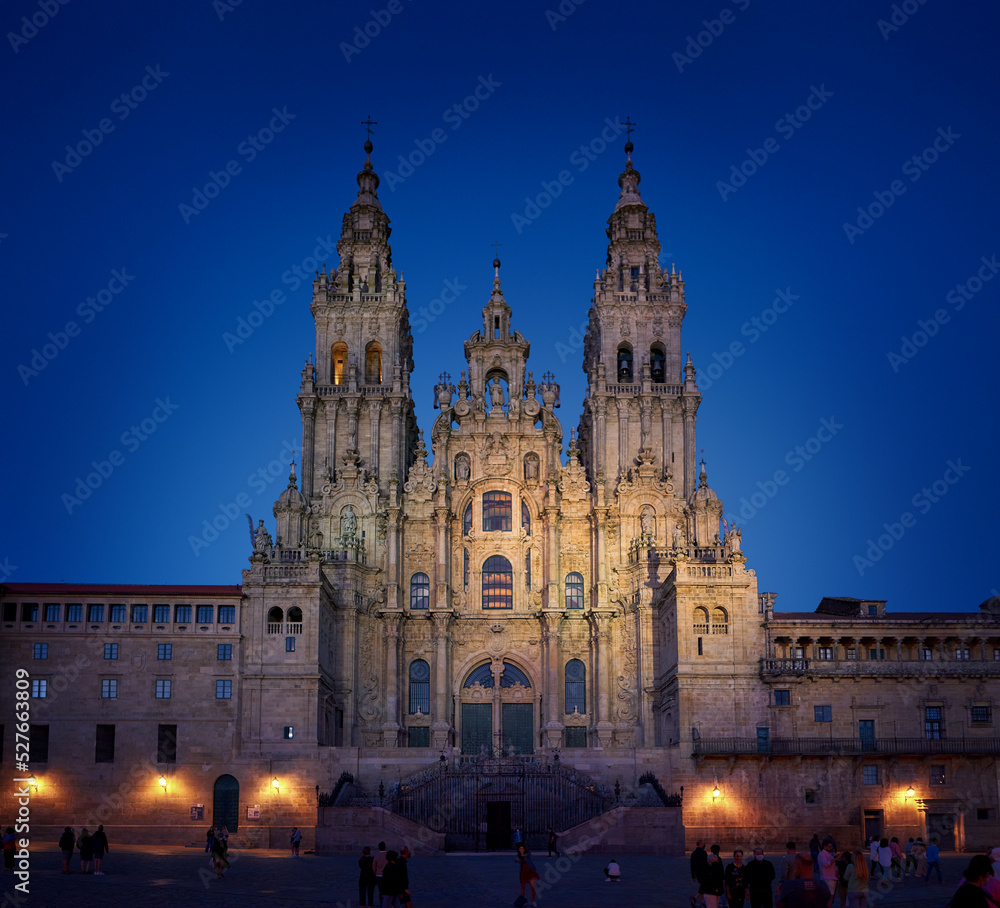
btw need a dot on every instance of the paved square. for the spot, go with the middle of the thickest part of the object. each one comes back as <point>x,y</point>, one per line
<point>173,877</point>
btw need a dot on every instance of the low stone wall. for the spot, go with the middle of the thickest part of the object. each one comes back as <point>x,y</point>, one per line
<point>346,830</point>
<point>628,830</point>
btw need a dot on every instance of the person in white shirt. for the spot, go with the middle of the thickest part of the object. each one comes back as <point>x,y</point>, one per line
<point>828,868</point>
<point>612,873</point>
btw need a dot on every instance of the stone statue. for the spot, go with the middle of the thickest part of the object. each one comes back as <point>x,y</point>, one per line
<point>349,523</point>
<point>647,521</point>
<point>262,539</point>
<point>531,467</point>
<point>677,537</point>
<point>496,395</point>
<point>461,468</point>
<point>736,539</point>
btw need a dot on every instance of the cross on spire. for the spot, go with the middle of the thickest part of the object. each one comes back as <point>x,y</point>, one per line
<point>496,249</point>
<point>629,126</point>
<point>368,124</point>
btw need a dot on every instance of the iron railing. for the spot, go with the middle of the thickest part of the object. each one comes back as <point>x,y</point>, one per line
<point>795,747</point>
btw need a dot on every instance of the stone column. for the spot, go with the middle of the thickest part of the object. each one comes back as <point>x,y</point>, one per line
<point>690,449</point>
<point>390,728</point>
<point>497,670</point>
<point>623,457</point>
<point>308,407</point>
<point>442,726</point>
<point>552,657</point>
<point>374,418</point>
<point>603,676</point>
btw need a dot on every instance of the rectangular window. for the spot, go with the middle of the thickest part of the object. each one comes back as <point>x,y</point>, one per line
<point>824,653</point>
<point>288,733</point>
<point>576,737</point>
<point>227,614</point>
<point>161,614</point>
<point>852,653</point>
<point>223,690</point>
<point>118,614</point>
<point>104,750</point>
<point>926,655</point>
<point>937,775</point>
<point>289,644</point>
<point>982,715</point>
<point>40,688</point>
<point>823,713</point>
<point>869,775</point>
<point>224,652</point>
<point>984,813</point>
<point>29,610</point>
<point>74,613</point>
<point>182,614</point>
<point>701,648</point>
<point>95,614</point>
<point>205,614</point>
<point>140,614</point>
<point>876,654</point>
<point>39,743</point>
<point>52,611</point>
<point>418,737</point>
<point>109,688</point>
<point>810,796</point>
<point>527,570</point>
<point>41,651</point>
<point>166,744</point>
<point>866,732</point>
<point>110,650</point>
<point>163,689</point>
<point>996,654</point>
<point>763,739</point>
<point>782,698</point>
<point>962,654</point>
<point>934,723</point>
<point>497,509</point>
<point>164,652</point>
<point>873,610</point>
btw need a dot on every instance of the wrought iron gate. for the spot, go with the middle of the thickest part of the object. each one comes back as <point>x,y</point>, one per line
<point>478,803</point>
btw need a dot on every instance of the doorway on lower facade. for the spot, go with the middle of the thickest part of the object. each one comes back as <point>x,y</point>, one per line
<point>498,832</point>
<point>226,803</point>
<point>942,826</point>
<point>874,824</point>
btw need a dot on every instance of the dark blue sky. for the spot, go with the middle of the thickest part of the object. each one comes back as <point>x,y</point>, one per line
<point>806,334</point>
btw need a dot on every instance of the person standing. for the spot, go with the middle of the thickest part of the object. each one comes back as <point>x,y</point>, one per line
<point>843,862</point>
<point>714,886</point>
<point>814,850</point>
<point>85,845</point>
<point>735,879</point>
<point>919,851</point>
<point>296,840</point>
<point>897,858</point>
<point>873,856</point>
<point>553,838</point>
<point>528,874</point>
<point>404,863</point>
<point>392,881</point>
<point>366,879</point>
<point>379,863</point>
<point>788,861</point>
<point>100,843</point>
<point>67,842</point>
<point>9,841</point>
<point>759,876</point>
<point>699,864</point>
<point>803,891</point>
<point>971,894</point>
<point>828,869</point>
<point>911,861</point>
<point>209,838</point>
<point>933,861</point>
<point>856,877</point>
<point>220,856</point>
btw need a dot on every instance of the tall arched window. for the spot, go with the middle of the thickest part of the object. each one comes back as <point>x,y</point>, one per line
<point>420,687</point>
<point>373,364</point>
<point>701,620</point>
<point>467,520</point>
<point>497,508</point>
<point>720,621</point>
<point>498,583</point>
<point>657,364</point>
<point>574,590</point>
<point>576,686</point>
<point>420,591</point>
<point>338,357</point>
<point>625,364</point>
<point>525,517</point>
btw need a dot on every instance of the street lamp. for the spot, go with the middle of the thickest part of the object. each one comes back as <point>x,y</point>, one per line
<point>163,783</point>
<point>274,783</point>
<point>715,794</point>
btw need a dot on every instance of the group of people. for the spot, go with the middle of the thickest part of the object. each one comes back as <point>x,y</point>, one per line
<point>736,881</point>
<point>387,873</point>
<point>889,860</point>
<point>217,845</point>
<point>92,848</point>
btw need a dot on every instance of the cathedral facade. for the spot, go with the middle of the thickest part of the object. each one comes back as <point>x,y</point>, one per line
<point>508,591</point>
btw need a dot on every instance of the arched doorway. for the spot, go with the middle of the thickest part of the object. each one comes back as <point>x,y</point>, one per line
<point>226,803</point>
<point>497,718</point>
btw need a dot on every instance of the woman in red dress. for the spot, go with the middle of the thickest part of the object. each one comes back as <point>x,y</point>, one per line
<point>528,872</point>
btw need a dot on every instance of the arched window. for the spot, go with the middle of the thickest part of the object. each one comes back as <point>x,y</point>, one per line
<point>497,507</point>
<point>481,674</point>
<point>527,570</point>
<point>294,615</point>
<point>498,583</point>
<point>701,620</point>
<point>373,364</point>
<point>420,687</point>
<point>625,364</point>
<point>574,590</point>
<point>525,517</point>
<point>339,360</point>
<point>720,621</point>
<point>576,686</point>
<point>657,364</point>
<point>420,591</point>
<point>275,616</point>
<point>467,520</point>
<point>465,569</point>
<point>512,675</point>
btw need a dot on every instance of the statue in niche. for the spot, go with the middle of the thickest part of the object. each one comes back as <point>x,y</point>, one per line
<point>531,467</point>
<point>262,539</point>
<point>496,395</point>
<point>462,470</point>
<point>736,539</point>
<point>647,521</point>
<point>677,536</point>
<point>349,523</point>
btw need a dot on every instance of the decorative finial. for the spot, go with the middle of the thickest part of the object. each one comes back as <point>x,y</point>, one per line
<point>629,126</point>
<point>368,124</point>
<point>496,257</point>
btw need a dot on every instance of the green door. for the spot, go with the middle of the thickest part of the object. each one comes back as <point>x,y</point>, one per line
<point>226,803</point>
<point>518,727</point>
<point>477,727</point>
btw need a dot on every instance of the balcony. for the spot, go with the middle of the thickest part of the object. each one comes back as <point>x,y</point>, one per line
<point>847,747</point>
<point>879,668</point>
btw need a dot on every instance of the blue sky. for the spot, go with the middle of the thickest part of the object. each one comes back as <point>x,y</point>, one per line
<point>849,419</point>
